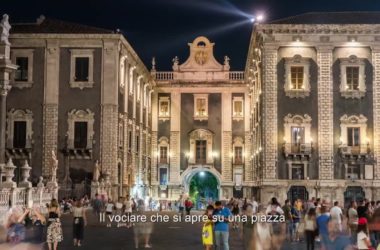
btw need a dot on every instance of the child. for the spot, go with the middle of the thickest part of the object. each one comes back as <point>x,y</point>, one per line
<point>363,239</point>
<point>207,230</point>
<point>109,211</point>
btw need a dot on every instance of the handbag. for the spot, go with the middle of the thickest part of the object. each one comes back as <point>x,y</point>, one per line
<point>301,228</point>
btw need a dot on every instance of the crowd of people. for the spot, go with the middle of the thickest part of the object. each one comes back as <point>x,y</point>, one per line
<point>312,222</point>
<point>332,226</point>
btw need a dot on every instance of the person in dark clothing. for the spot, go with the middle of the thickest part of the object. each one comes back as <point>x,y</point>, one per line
<point>362,210</point>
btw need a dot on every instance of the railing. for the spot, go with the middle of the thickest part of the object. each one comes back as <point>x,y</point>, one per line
<point>298,148</point>
<point>236,75</point>
<point>20,197</point>
<point>164,76</point>
<point>232,75</point>
<point>362,149</point>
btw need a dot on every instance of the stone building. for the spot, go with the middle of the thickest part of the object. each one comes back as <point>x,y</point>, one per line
<point>83,93</point>
<point>315,85</point>
<point>200,123</point>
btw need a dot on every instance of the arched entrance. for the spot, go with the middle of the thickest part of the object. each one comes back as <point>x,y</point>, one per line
<point>203,189</point>
<point>298,192</point>
<point>202,185</point>
<point>353,193</point>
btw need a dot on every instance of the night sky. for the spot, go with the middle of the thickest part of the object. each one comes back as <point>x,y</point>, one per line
<point>162,28</point>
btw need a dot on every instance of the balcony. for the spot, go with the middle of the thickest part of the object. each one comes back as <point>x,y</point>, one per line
<point>293,149</point>
<point>360,150</point>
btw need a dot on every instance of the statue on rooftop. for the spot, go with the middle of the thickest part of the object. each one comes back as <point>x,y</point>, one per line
<point>4,29</point>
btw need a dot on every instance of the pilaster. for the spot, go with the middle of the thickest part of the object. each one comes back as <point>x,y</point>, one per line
<point>325,113</point>
<point>175,150</point>
<point>226,137</point>
<point>50,106</point>
<point>376,109</point>
<point>270,141</point>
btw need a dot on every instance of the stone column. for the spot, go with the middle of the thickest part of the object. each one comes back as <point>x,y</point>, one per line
<point>6,68</point>
<point>376,112</point>
<point>153,168</point>
<point>226,138</point>
<point>50,106</point>
<point>175,146</point>
<point>270,113</point>
<point>248,171</point>
<point>109,111</point>
<point>325,114</point>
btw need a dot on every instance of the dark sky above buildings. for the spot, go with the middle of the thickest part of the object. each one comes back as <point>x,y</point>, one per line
<point>162,28</point>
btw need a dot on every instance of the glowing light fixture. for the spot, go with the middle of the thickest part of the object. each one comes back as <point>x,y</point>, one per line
<point>202,174</point>
<point>260,17</point>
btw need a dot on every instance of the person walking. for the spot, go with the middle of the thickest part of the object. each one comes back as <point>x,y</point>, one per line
<point>247,232</point>
<point>235,212</point>
<point>188,206</point>
<point>79,222</point>
<point>221,229</point>
<point>54,229</point>
<point>109,206</point>
<point>322,224</point>
<point>337,215</point>
<point>119,209</point>
<point>310,228</point>
<point>207,229</point>
<point>363,241</point>
<point>296,217</point>
<point>352,221</point>
<point>128,209</point>
<point>288,220</point>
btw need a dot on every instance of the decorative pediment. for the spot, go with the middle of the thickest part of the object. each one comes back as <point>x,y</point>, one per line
<point>200,134</point>
<point>201,57</point>
<point>353,119</point>
<point>297,119</point>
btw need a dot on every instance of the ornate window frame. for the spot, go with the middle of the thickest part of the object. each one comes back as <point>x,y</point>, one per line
<point>238,176</point>
<point>163,116</point>
<point>238,142</point>
<point>353,121</point>
<point>75,53</point>
<point>23,53</point>
<point>163,142</point>
<point>297,61</point>
<point>131,78</point>
<point>80,116</point>
<point>297,121</point>
<point>352,61</point>
<point>237,116</point>
<point>201,134</point>
<point>123,72</point>
<point>138,88</point>
<point>196,115</point>
<point>19,115</point>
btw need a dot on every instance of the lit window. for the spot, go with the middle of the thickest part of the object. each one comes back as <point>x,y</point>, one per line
<point>163,155</point>
<point>297,77</point>
<point>352,74</point>
<point>200,154</point>
<point>238,155</point>
<point>200,106</point>
<point>238,108</point>
<point>352,77</point>
<point>353,137</point>
<point>164,107</point>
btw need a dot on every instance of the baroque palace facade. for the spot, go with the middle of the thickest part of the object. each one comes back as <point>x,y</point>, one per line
<point>302,121</point>
<point>315,81</point>
<point>83,93</point>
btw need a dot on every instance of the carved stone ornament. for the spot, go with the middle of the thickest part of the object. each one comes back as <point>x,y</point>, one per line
<point>4,30</point>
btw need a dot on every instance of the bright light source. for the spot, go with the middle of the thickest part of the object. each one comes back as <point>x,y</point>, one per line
<point>252,20</point>
<point>202,174</point>
<point>260,18</point>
